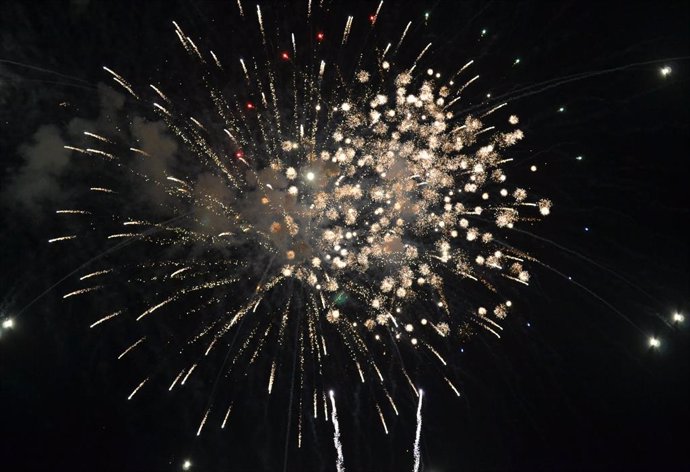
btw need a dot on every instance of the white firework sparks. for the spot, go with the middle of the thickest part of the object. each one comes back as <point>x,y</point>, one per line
<point>351,197</point>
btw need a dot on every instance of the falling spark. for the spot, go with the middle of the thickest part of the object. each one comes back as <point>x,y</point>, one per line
<point>82,291</point>
<point>225,418</point>
<point>203,422</point>
<point>105,318</point>
<point>383,421</point>
<point>94,274</point>
<point>130,347</point>
<point>62,238</point>
<point>418,433</point>
<point>134,392</point>
<point>339,463</point>
<point>188,374</point>
<point>348,26</point>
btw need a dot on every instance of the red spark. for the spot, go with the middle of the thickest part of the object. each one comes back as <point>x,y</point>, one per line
<point>319,36</point>
<point>285,56</point>
<point>250,106</point>
<point>239,154</point>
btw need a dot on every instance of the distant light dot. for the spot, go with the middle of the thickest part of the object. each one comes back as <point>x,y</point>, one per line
<point>8,323</point>
<point>409,328</point>
<point>586,228</point>
<point>414,341</point>
<point>579,158</point>
<point>484,32</point>
<point>424,321</point>
<point>319,36</point>
<point>186,465</point>
<point>533,168</point>
<point>285,56</point>
<point>665,71</point>
<point>561,109</point>
<point>677,317</point>
<point>654,342</point>
<point>529,325</point>
<point>517,61</point>
<point>310,176</point>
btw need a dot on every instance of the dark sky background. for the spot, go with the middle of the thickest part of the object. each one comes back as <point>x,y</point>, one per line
<point>572,384</point>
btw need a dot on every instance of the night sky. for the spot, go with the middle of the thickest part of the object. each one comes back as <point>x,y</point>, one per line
<point>572,384</point>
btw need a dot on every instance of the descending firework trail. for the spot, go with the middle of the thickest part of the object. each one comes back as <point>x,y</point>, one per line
<point>418,433</point>
<point>325,205</point>
<point>340,461</point>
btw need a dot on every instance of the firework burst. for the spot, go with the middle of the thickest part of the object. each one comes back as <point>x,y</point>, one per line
<point>315,217</point>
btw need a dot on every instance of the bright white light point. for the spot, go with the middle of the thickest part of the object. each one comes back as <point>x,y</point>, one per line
<point>509,303</point>
<point>310,176</point>
<point>579,158</point>
<point>440,304</point>
<point>517,61</point>
<point>186,465</point>
<point>377,337</point>
<point>533,168</point>
<point>8,323</point>
<point>330,392</point>
<point>345,107</point>
<point>561,109</point>
<point>677,317</point>
<point>430,71</point>
<point>424,321</point>
<point>665,71</point>
<point>409,327</point>
<point>414,341</point>
<point>318,107</point>
<point>654,342</point>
